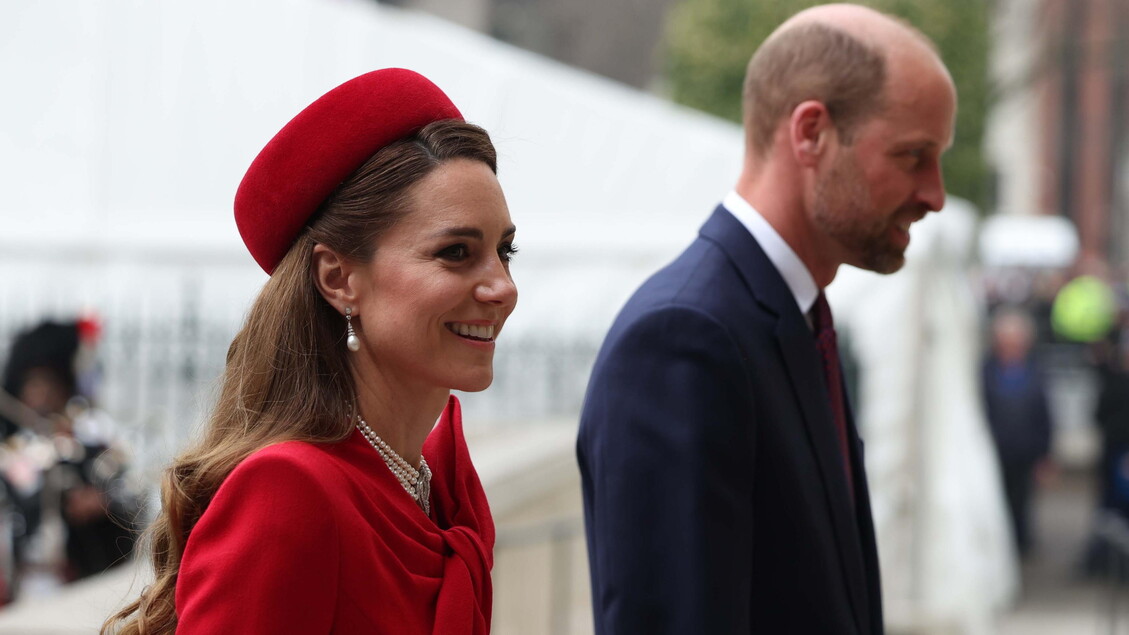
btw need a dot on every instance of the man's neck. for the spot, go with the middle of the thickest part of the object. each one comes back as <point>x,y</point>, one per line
<point>778,199</point>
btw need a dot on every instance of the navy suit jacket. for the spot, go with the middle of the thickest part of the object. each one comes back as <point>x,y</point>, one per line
<point>1019,414</point>
<point>714,494</point>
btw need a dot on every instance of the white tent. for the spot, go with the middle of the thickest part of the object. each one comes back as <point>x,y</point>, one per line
<point>129,125</point>
<point>1028,240</point>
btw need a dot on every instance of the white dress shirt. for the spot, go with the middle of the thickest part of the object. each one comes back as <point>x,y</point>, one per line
<point>791,268</point>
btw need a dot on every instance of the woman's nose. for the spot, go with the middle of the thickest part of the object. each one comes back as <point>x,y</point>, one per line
<point>497,287</point>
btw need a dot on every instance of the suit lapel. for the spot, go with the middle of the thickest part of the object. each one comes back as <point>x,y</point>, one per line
<point>865,522</point>
<point>801,358</point>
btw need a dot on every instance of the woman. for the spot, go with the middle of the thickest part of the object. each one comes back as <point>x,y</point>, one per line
<point>321,500</point>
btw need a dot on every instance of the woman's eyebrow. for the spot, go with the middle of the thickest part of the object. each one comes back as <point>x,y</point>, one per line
<point>461,232</point>
<point>469,232</point>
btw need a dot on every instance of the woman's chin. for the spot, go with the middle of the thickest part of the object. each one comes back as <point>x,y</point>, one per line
<point>476,383</point>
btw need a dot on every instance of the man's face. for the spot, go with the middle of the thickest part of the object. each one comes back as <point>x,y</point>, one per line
<point>889,176</point>
<point>43,391</point>
<point>1011,339</point>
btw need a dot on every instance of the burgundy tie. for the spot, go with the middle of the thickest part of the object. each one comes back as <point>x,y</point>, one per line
<point>825,340</point>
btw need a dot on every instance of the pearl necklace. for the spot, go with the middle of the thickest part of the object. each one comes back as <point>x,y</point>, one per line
<point>417,483</point>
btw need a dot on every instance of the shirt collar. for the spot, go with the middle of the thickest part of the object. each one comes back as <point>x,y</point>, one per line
<point>791,268</point>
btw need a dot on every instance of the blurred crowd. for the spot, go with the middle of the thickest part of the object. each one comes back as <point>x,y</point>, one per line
<point>1043,323</point>
<point>67,510</point>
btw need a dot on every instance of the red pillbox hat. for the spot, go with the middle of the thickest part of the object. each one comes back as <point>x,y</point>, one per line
<point>322,146</point>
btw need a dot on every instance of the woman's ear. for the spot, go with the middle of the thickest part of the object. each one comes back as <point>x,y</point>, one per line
<point>809,131</point>
<point>334,277</point>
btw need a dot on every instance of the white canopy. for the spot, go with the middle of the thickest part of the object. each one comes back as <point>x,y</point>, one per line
<point>1028,240</point>
<point>129,124</point>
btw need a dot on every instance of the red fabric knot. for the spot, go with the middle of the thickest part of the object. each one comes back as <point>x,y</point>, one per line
<point>824,326</point>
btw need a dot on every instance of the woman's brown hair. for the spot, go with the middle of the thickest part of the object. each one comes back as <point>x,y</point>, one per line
<point>287,375</point>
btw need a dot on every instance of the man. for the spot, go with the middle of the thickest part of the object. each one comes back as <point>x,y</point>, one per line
<point>723,479</point>
<point>1019,415</point>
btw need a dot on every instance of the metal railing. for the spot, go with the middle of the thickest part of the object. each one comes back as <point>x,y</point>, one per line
<point>167,328</point>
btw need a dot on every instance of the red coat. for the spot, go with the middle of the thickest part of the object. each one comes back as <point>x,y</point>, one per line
<point>305,538</point>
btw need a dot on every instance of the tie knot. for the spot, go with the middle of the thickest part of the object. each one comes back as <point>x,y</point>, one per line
<point>821,314</point>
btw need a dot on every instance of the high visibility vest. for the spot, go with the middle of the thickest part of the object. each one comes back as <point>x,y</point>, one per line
<point>1084,310</point>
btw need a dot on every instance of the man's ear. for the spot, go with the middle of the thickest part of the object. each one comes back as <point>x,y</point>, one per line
<point>810,130</point>
<point>334,277</point>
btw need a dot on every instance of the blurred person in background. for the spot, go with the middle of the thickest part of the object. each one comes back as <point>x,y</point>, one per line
<point>1112,417</point>
<point>723,478</point>
<point>324,497</point>
<point>1015,397</point>
<point>1044,288</point>
<point>1089,313</point>
<point>101,507</point>
<point>61,457</point>
<point>1085,309</point>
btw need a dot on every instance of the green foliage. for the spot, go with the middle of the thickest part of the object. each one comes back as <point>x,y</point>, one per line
<point>709,42</point>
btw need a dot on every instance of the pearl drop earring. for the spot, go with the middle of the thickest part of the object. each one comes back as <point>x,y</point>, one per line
<point>351,339</point>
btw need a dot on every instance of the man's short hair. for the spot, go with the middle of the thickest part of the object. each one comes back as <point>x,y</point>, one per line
<point>812,62</point>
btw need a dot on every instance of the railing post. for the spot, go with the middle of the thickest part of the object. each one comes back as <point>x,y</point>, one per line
<point>560,598</point>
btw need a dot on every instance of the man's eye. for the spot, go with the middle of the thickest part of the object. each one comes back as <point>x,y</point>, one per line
<point>454,252</point>
<point>912,157</point>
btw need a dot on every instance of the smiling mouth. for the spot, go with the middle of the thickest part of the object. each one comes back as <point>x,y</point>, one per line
<point>905,222</point>
<point>475,332</point>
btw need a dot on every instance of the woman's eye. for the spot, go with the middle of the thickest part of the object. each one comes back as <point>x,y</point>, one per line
<point>507,251</point>
<point>454,252</point>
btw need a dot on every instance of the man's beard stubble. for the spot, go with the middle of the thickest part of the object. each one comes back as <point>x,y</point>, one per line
<point>843,210</point>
